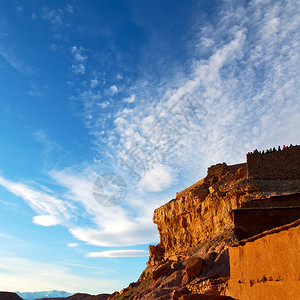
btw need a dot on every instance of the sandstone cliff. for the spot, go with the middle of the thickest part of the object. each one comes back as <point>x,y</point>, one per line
<point>196,228</point>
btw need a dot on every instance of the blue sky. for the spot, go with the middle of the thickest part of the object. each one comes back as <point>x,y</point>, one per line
<point>153,92</point>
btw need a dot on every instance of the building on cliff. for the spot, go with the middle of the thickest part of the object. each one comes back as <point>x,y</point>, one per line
<point>217,237</point>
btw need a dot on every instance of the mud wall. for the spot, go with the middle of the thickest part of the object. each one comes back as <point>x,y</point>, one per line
<point>267,267</point>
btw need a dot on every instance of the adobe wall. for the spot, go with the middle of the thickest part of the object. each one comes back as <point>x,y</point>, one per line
<point>284,164</point>
<point>267,267</point>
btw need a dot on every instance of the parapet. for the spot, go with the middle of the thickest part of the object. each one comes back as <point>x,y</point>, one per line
<point>275,164</point>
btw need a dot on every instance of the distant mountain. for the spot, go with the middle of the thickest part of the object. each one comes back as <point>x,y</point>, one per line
<point>44,294</point>
<point>9,296</point>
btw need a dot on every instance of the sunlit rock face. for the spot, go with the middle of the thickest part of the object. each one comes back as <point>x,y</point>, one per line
<point>202,223</point>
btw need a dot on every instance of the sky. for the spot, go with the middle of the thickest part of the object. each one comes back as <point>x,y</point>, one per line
<point>108,108</point>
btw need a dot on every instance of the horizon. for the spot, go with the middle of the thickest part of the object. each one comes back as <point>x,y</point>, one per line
<point>108,109</point>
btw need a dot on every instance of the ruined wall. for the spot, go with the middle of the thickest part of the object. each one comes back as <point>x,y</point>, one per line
<point>284,164</point>
<point>267,267</point>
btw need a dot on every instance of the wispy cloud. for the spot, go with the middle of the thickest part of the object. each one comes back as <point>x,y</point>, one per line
<point>246,81</point>
<point>70,9</point>
<point>51,209</point>
<point>119,253</point>
<point>54,16</point>
<point>19,9</point>
<point>79,60</point>
<point>238,96</point>
<point>14,60</point>
<point>49,145</point>
<point>130,99</point>
<point>241,93</point>
<point>113,90</point>
<point>113,226</point>
<point>34,91</point>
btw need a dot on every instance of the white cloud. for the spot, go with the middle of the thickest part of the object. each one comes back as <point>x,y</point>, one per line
<point>49,145</point>
<point>130,99</point>
<point>113,89</point>
<point>241,93</point>
<point>119,253</point>
<point>78,69</point>
<point>73,245</point>
<point>70,9</point>
<point>77,53</point>
<point>158,178</point>
<point>104,104</point>
<point>34,91</point>
<point>113,226</point>
<point>20,9</point>
<point>94,83</point>
<point>79,60</point>
<point>54,16</point>
<point>52,211</point>
<point>53,47</point>
<point>45,220</point>
<point>124,233</point>
<point>246,84</point>
<point>12,58</point>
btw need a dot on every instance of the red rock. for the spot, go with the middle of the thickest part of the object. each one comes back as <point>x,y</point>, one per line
<point>161,270</point>
<point>176,294</point>
<point>193,266</point>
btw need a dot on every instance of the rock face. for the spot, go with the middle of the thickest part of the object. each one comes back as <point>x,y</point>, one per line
<point>197,227</point>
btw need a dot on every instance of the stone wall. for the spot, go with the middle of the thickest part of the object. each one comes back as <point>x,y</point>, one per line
<point>266,266</point>
<point>283,164</point>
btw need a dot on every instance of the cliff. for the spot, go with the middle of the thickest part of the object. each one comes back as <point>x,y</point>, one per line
<point>201,223</point>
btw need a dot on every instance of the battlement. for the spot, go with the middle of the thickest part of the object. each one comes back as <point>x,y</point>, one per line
<point>275,164</point>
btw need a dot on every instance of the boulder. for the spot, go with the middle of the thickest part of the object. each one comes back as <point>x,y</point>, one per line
<point>161,270</point>
<point>193,266</point>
